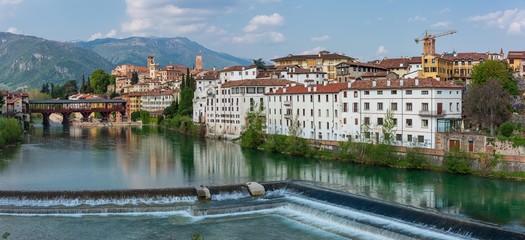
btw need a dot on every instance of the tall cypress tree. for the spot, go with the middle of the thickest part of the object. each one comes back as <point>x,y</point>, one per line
<point>83,86</point>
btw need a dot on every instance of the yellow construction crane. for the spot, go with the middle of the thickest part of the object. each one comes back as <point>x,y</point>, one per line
<point>429,41</point>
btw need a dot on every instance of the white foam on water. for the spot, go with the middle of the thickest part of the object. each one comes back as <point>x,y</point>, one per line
<point>229,196</point>
<point>384,222</point>
<point>182,213</point>
<point>68,202</point>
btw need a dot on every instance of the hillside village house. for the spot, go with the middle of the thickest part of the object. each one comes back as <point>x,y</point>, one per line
<point>516,60</point>
<point>343,111</point>
<point>324,61</point>
<point>350,71</point>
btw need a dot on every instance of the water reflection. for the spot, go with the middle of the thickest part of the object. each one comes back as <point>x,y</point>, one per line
<point>147,157</point>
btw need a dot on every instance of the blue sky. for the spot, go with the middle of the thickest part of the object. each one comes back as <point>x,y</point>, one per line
<point>274,28</point>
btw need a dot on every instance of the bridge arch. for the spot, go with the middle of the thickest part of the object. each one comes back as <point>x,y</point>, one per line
<point>84,107</point>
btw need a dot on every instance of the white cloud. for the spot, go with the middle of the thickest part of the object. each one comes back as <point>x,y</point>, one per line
<point>110,34</point>
<point>13,30</point>
<point>314,50</point>
<point>381,50</point>
<point>417,18</point>
<point>264,20</point>
<point>443,24</point>
<point>444,11</point>
<point>265,37</point>
<point>320,38</point>
<point>168,17</point>
<point>513,20</point>
<point>10,2</point>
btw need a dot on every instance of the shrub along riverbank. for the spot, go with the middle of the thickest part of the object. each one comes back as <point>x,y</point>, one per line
<point>10,132</point>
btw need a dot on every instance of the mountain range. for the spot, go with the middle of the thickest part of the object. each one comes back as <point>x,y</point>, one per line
<point>29,62</point>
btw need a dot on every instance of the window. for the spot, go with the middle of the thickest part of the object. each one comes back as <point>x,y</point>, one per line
<point>355,107</point>
<point>380,106</point>
<point>393,106</point>
<point>327,113</point>
<point>424,123</point>
<point>409,122</point>
<point>356,122</point>
<point>326,97</point>
<point>424,107</point>
<point>450,107</point>
<point>319,98</point>
<point>327,125</point>
<point>335,98</point>
<point>395,121</point>
<point>424,92</point>
<point>420,138</point>
<point>311,98</point>
<point>367,106</point>
<point>380,121</point>
<point>409,138</point>
<point>438,92</point>
<point>319,112</point>
<point>345,107</point>
<point>409,92</point>
<point>393,92</point>
<point>311,112</point>
<point>457,107</point>
<point>409,107</point>
<point>260,90</point>
<point>367,92</point>
<point>335,113</point>
<point>344,120</point>
<point>367,120</point>
<point>399,137</point>
<point>367,134</point>
<point>355,93</point>
<point>380,92</point>
<point>344,94</point>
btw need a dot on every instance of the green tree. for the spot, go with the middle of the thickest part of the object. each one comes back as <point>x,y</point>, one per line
<point>296,145</point>
<point>99,81</point>
<point>494,69</point>
<point>45,88</point>
<point>259,63</point>
<point>172,109</point>
<point>69,88</point>
<point>134,78</point>
<point>186,95</point>
<point>254,133</point>
<point>1,100</point>
<point>88,89</point>
<point>83,86</point>
<point>388,129</point>
<point>487,104</point>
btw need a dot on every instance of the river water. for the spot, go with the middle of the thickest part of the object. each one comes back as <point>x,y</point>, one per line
<point>146,157</point>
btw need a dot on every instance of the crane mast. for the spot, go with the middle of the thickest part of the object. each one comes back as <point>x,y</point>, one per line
<point>429,41</point>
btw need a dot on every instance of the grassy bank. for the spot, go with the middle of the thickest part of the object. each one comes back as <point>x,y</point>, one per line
<point>10,132</point>
<point>184,125</point>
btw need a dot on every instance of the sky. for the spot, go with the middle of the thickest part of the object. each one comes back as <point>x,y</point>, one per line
<point>268,29</point>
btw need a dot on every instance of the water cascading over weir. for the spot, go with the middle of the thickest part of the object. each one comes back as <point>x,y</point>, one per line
<point>343,211</point>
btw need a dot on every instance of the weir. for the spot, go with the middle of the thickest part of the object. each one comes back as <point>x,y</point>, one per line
<point>305,204</point>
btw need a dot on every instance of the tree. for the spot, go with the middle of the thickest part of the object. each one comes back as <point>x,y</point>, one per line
<point>487,104</point>
<point>388,128</point>
<point>69,88</point>
<point>45,88</point>
<point>296,145</point>
<point>89,89</point>
<point>494,69</point>
<point>134,78</point>
<point>83,86</point>
<point>172,109</point>
<point>1,100</point>
<point>259,63</point>
<point>253,134</point>
<point>186,95</point>
<point>99,81</point>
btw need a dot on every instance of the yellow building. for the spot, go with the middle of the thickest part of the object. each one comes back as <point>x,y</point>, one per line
<point>322,62</point>
<point>465,62</point>
<point>516,60</point>
<point>436,66</point>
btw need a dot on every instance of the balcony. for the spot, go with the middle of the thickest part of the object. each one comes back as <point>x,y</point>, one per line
<point>433,113</point>
<point>288,103</point>
<point>288,116</point>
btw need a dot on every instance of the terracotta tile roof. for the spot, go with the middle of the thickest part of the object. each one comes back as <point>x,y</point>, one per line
<point>374,74</point>
<point>237,68</point>
<point>313,56</point>
<point>257,82</point>
<point>358,64</point>
<point>141,69</point>
<point>391,63</point>
<point>407,83</point>
<point>319,88</point>
<point>153,93</point>
<point>516,54</point>
<point>13,100</point>
<point>466,56</point>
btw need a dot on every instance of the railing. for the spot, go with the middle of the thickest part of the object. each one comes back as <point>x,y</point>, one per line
<point>287,103</point>
<point>288,115</point>
<point>432,113</point>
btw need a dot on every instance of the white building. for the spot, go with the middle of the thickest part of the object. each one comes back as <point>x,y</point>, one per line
<point>227,108</point>
<point>337,112</point>
<point>205,88</point>
<point>238,73</point>
<point>420,107</point>
<point>316,109</point>
<point>302,76</point>
<point>154,101</point>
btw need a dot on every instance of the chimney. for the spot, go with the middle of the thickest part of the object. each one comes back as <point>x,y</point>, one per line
<point>401,82</point>
<point>438,78</point>
<point>349,84</point>
<point>374,83</point>
<point>324,83</point>
<point>284,90</point>
<point>417,81</point>
<point>305,84</point>
<point>214,68</point>
<point>388,83</point>
<point>315,88</point>
<point>309,89</point>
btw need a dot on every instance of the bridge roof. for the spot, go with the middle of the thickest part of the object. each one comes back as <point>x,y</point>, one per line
<point>77,101</point>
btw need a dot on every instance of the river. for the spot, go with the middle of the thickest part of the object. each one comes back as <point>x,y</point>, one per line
<point>147,157</point>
